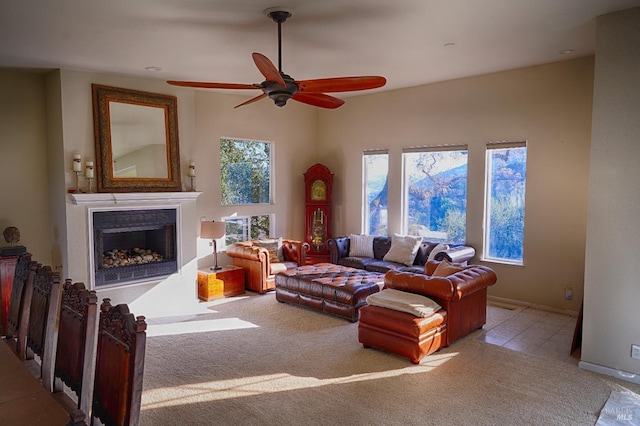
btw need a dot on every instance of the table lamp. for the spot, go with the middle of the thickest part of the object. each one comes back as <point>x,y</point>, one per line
<point>213,230</point>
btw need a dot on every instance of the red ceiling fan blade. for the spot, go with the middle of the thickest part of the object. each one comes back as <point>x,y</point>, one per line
<point>268,70</point>
<point>340,84</point>
<point>318,99</point>
<point>252,100</point>
<point>213,85</point>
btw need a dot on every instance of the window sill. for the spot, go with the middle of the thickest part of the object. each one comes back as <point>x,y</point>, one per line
<point>503,261</point>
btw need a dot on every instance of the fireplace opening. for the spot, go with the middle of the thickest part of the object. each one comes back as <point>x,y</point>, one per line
<point>133,245</point>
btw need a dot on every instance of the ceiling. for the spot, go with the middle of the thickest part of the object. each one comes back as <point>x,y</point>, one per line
<point>410,42</point>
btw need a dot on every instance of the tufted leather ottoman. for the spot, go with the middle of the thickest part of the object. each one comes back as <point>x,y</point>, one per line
<point>402,333</point>
<point>334,289</point>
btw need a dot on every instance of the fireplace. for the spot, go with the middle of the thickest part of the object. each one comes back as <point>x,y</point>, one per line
<point>133,245</point>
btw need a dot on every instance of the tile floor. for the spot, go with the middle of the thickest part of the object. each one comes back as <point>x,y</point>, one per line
<point>530,330</point>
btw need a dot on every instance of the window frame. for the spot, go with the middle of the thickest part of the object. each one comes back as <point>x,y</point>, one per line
<point>247,218</point>
<point>365,193</point>
<point>486,240</point>
<point>270,177</point>
<point>404,210</point>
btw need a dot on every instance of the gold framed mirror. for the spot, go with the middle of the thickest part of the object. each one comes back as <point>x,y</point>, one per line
<point>136,137</point>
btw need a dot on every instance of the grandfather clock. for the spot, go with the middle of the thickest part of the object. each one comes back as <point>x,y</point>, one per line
<point>318,184</point>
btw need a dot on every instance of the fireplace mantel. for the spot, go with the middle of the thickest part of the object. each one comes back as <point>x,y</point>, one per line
<point>132,197</point>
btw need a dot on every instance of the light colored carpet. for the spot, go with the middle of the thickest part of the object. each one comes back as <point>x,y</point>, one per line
<point>254,361</point>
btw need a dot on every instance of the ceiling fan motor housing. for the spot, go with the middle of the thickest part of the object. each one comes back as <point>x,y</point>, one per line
<point>278,93</point>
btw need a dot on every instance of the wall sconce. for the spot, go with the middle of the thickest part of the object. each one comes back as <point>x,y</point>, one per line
<point>213,230</point>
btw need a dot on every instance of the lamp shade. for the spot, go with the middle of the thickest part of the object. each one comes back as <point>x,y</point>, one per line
<point>213,230</point>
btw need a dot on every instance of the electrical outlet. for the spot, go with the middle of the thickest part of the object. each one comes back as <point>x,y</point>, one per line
<point>568,293</point>
<point>635,351</point>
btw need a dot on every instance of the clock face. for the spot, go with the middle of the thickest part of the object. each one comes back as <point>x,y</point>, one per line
<point>318,190</point>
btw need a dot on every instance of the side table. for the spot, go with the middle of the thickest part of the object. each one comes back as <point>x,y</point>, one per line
<point>225,282</point>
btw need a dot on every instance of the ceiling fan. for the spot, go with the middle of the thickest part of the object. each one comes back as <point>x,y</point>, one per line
<point>281,87</point>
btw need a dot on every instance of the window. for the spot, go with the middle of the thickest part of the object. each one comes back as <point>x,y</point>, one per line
<point>245,172</point>
<point>376,188</point>
<point>245,228</point>
<point>506,171</point>
<point>435,193</point>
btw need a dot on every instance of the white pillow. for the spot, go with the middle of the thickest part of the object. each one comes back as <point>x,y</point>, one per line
<point>403,249</point>
<point>404,301</point>
<point>361,245</point>
<point>437,249</point>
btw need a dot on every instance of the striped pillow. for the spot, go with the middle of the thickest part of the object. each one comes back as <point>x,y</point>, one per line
<point>361,245</point>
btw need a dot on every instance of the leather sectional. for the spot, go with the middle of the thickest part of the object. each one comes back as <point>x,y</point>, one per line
<point>462,297</point>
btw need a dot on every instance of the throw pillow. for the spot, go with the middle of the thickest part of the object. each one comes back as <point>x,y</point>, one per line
<point>361,245</point>
<point>444,269</point>
<point>404,301</point>
<point>274,247</point>
<point>403,249</point>
<point>437,249</point>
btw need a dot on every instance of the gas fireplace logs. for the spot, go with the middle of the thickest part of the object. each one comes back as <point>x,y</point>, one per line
<point>137,256</point>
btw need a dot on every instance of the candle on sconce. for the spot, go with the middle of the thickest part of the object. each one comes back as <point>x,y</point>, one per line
<point>77,163</point>
<point>192,169</point>
<point>89,170</point>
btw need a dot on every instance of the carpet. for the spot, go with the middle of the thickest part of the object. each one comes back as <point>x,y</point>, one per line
<point>253,361</point>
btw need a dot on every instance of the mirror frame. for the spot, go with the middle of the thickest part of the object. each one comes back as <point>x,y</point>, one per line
<point>106,182</point>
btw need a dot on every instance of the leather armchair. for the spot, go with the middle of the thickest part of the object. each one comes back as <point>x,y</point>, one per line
<point>259,270</point>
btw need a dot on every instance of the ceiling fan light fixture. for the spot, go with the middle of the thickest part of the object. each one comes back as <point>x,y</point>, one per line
<point>280,98</point>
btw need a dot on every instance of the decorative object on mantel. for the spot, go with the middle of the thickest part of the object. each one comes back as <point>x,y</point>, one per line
<point>151,161</point>
<point>77,169</point>
<point>11,235</point>
<point>213,230</point>
<point>89,174</point>
<point>192,174</point>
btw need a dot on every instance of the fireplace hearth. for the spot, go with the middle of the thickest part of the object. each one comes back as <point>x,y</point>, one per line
<point>133,245</point>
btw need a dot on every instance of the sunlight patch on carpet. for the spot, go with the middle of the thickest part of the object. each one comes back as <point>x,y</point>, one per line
<point>271,383</point>
<point>188,327</point>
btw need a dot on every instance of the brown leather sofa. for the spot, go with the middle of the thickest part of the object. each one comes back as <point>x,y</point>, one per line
<point>259,270</point>
<point>462,297</point>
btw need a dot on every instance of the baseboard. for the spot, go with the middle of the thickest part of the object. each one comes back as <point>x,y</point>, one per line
<point>532,305</point>
<point>618,374</point>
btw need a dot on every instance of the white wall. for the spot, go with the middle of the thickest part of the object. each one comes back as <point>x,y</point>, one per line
<point>292,129</point>
<point>549,106</point>
<point>612,283</point>
<point>23,161</point>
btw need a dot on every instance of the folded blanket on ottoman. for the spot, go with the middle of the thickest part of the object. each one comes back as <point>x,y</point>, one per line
<point>403,301</point>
